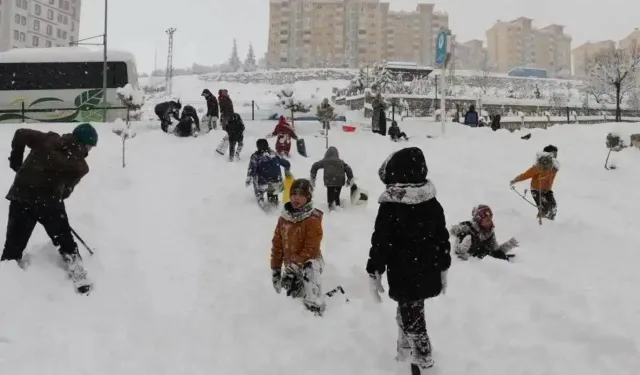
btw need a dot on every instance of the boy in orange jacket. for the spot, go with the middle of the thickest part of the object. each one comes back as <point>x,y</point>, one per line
<point>542,175</point>
<point>296,246</point>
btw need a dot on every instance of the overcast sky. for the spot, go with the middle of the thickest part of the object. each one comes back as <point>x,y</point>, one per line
<point>206,28</point>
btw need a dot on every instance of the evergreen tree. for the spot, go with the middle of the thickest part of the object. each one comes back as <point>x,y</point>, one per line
<point>250,63</point>
<point>234,60</point>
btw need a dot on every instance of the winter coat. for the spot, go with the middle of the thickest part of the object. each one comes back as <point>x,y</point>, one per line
<point>51,171</point>
<point>283,132</point>
<point>166,110</point>
<point>264,166</point>
<point>410,240</point>
<point>542,174</point>
<point>212,104</point>
<point>471,118</point>
<point>334,169</point>
<point>379,117</point>
<point>476,242</point>
<point>297,237</point>
<point>325,112</point>
<point>190,112</point>
<point>226,107</point>
<point>495,122</point>
<point>235,128</point>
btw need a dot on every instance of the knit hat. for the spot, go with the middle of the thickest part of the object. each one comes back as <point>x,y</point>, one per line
<point>406,166</point>
<point>480,212</point>
<point>86,134</point>
<point>262,144</point>
<point>302,186</point>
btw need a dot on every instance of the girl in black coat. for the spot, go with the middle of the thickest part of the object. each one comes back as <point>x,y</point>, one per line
<point>411,243</point>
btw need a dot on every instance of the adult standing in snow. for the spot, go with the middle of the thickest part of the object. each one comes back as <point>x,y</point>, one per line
<point>283,133</point>
<point>226,107</point>
<point>335,170</point>
<point>265,175</point>
<point>325,113</point>
<point>165,111</point>
<point>54,167</point>
<point>211,118</point>
<point>379,117</point>
<point>471,118</point>
<point>296,248</point>
<point>411,243</point>
<point>235,132</point>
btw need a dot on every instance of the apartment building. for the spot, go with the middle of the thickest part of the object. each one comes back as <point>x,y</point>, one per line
<point>38,23</point>
<point>631,40</point>
<point>585,52</point>
<point>312,33</point>
<point>517,43</point>
<point>471,55</point>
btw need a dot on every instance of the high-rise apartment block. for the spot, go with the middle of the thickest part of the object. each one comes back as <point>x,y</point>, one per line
<point>471,55</point>
<point>584,53</point>
<point>38,23</point>
<point>312,33</point>
<point>518,44</point>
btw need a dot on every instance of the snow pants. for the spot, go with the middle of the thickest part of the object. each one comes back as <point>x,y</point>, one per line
<point>22,222</point>
<point>272,190</point>
<point>305,283</point>
<point>547,203</point>
<point>413,341</point>
<point>283,145</point>
<point>333,196</point>
<point>235,147</point>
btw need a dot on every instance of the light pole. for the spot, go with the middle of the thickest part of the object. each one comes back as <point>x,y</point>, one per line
<point>104,62</point>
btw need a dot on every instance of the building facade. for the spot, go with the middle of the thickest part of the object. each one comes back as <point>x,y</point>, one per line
<point>585,52</point>
<point>518,44</point>
<point>349,33</point>
<point>38,23</point>
<point>472,55</point>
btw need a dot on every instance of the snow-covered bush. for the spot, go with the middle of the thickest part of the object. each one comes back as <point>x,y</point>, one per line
<point>289,102</point>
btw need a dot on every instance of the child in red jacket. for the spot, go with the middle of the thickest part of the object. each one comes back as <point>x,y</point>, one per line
<point>283,133</point>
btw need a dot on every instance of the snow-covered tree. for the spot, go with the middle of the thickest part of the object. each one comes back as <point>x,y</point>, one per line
<point>289,102</point>
<point>558,100</point>
<point>250,64</point>
<point>325,111</point>
<point>614,72</point>
<point>234,60</point>
<point>381,79</point>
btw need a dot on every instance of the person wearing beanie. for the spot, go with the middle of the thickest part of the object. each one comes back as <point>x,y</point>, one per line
<point>543,174</point>
<point>296,258</point>
<point>410,242</point>
<point>477,238</point>
<point>265,175</point>
<point>52,169</point>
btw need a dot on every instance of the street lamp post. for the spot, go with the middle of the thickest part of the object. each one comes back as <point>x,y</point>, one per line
<point>104,63</point>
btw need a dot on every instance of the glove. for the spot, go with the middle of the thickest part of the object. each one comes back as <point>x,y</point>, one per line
<point>512,182</point>
<point>276,277</point>
<point>375,283</point>
<point>247,182</point>
<point>348,183</point>
<point>291,272</point>
<point>511,244</point>
<point>287,173</point>
<point>443,280</point>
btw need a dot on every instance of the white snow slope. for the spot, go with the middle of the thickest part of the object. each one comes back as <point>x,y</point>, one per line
<point>183,284</point>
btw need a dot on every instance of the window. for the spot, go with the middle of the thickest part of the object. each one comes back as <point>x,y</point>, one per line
<point>23,20</point>
<point>66,5</point>
<point>73,26</point>
<point>59,33</point>
<point>48,43</point>
<point>60,76</point>
<point>38,9</point>
<point>51,2</point>
<point>60,18</point>
<point>16,34</point>
<point>36,25</point>
<point>50,14</point>
<point>61,4</point>
<point>66,20</point>
<point>17,18</point>
<point>49,30</point>
<point>19,3</point>
<point>64,35</point>
<point>35,41</point>
<point>23,37</point>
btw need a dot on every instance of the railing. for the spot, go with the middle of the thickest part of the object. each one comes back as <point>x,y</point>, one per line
<point>21,114</point>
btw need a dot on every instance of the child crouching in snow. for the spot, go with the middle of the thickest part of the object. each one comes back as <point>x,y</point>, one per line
<point>542,175</point>
<point>296,246</point>
<point>477,238</point>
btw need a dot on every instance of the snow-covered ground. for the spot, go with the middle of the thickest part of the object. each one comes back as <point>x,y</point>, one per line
<point>183,284</point>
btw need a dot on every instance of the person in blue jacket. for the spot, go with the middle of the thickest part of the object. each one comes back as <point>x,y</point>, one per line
<point>264,172</point>
<point>471,118</point>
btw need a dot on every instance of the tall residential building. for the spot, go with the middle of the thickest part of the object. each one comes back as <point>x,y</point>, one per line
<point>471,55</point>
<point>585,52</point>
<point>38,23</point>
<point>312,33</point>
<point>631,40</point>
<point>517,43</point>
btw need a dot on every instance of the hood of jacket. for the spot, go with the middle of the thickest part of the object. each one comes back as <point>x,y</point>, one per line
<point>546,161</point>
<point>407,166</point>
<point>332,154</point>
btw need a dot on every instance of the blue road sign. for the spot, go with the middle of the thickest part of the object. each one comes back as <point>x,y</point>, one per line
<point>441,48</point>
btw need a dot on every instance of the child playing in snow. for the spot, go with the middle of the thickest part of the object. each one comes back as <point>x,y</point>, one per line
<point>283,133</point>
<point>542,175</point>
<point>477,238</point>
<point>264,172</point>
<point>410,242</point>
<point>296,246</point>
<point>395,133</point>
<point>235,132</point>
<point>335,170</point>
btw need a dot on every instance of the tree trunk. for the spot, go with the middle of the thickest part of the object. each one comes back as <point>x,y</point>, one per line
<point>292,119</point>
<point>618,100</point>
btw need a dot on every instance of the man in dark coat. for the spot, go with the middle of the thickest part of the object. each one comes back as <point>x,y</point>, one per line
<point>235,132</point>
<point>471,118</point>
<point>213,112</point>
<point>226,107</point>
<point>189,124</point>
<point>47,177</point>
<point>411,243</point>
<point>165,111</point>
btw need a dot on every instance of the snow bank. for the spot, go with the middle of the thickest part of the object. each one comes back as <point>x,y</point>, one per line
<point>131,96</point>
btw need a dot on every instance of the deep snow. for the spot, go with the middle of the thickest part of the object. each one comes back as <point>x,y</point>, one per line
<point>183,281</point>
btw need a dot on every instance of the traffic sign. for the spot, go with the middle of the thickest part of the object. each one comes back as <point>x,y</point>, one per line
<point>441,48</point>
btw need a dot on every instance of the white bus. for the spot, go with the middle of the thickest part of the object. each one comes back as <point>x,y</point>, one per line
<point>62,84</point>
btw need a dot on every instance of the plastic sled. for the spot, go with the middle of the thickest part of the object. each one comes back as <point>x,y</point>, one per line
<point>358,196</point>
<point>301,146</point>
<point>286,194</point>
